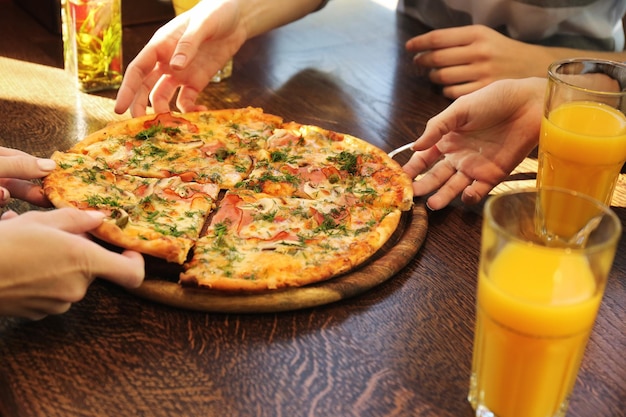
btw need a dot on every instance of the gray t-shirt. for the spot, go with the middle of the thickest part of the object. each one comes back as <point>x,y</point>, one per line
<point>581,24</point>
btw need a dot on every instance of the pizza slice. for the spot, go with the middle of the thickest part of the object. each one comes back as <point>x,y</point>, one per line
<point>258,242</point>
<point>155,153</point>
<point>158,217</point>
<point>313,163</point>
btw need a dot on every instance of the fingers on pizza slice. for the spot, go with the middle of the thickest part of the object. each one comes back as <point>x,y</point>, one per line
<point>159,217</point>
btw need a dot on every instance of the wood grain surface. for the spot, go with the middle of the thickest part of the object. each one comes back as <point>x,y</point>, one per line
<point>40,109</point>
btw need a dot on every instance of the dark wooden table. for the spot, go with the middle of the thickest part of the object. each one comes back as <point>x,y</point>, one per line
<point>400,349</point>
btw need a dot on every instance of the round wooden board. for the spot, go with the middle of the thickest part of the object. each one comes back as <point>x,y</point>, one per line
<point>388,261</point>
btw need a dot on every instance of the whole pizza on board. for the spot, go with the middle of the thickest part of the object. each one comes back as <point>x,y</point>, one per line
<point>242,200</point>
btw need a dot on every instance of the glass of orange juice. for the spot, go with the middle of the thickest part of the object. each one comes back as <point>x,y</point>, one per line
<point>181,6</point>
<point>582,143</point>
<point>536,304</point>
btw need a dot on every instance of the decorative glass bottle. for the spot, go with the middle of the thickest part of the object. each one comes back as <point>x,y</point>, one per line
<point>92,42</point>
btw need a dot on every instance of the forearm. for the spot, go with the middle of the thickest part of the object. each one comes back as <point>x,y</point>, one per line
<point>553,54</point>
<point>260,16</point>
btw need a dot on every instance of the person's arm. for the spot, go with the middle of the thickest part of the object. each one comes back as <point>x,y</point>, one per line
<point>260,16</point>
<point>187,51</point>
<point>472,145</point>
<point>464,59</point>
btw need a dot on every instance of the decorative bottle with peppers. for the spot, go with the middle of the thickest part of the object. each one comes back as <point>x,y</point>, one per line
<point>92,42</point>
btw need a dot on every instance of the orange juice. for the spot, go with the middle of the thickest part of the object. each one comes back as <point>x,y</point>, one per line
<point>536,308</point>
<point>181,6</point>
<point>582,147</point>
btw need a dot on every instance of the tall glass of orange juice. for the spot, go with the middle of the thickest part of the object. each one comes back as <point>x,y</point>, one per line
<point>180,7</point>
<point>582,143</point>
<point>536,304</point>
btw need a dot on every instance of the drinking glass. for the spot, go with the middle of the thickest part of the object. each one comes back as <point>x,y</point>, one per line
<point>582,143</point>
<point>181,6</point>
<point>536,302</point>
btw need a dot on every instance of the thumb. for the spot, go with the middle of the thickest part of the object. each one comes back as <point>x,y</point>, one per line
<point>185,52</point>
<point>25,166</point>
<point>207,22</point>
<point>189,42</point>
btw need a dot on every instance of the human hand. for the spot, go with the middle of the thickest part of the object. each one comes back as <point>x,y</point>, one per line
<point>48,263</point>
<point>186,52</point>
<point>472,145</point>
<point>464,59</point>
<point>16,169</point>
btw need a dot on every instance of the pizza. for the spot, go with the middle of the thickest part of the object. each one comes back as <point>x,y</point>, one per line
<point>242,200</point>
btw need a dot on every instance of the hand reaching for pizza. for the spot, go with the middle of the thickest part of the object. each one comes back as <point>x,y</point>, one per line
<point>16,170</point>
<point>48,263</point>
<point>477,141</point>
<point>187,51</point>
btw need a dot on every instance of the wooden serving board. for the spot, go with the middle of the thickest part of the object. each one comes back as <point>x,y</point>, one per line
<point>161,280</point>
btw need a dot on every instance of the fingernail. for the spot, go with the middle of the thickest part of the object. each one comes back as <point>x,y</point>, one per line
<point>46,164</point>
<point>178,61</point>
<point>4,196</point>
<point>9,214</point>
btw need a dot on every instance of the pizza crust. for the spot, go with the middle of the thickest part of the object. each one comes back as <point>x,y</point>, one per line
<point>150,243</point>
